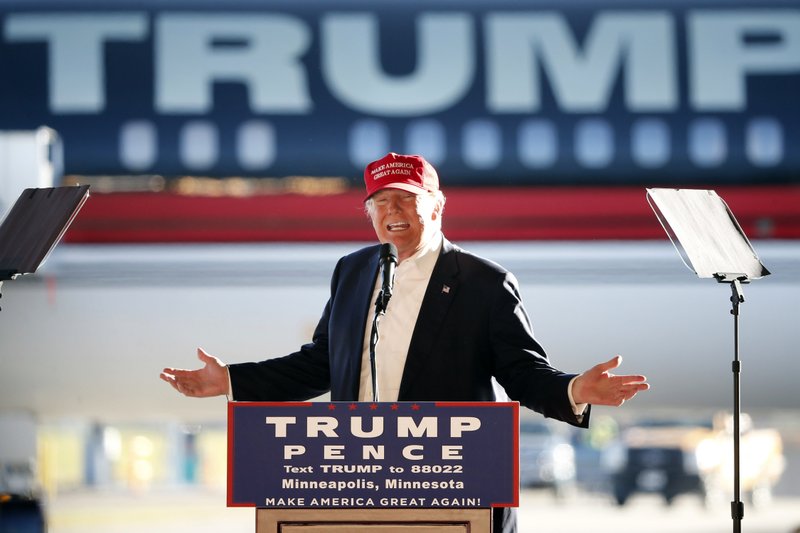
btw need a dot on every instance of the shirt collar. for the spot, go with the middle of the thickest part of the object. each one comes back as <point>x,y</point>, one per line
<point>425,259</point>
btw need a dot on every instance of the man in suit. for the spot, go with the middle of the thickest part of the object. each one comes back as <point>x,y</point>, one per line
<point>454,322</point>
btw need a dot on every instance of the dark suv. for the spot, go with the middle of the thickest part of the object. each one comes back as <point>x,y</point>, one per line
<point>673,457</point>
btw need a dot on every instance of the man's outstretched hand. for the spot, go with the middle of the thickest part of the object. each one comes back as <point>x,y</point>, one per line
<point>211,380</point>
<point>598,386</point>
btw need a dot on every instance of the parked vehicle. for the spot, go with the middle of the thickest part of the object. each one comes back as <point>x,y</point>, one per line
<point>21,501</point>
<point>673,457</point>
<point>546,458</point>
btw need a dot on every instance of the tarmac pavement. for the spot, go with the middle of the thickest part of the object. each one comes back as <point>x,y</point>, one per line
<point>198,510</point>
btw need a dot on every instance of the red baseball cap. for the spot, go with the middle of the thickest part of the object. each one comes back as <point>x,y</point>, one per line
<point>397,171</point>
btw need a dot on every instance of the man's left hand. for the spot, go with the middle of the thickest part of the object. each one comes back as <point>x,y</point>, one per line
<point>598,386</point>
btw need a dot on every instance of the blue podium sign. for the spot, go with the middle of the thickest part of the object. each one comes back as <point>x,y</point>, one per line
<point>381,455</point>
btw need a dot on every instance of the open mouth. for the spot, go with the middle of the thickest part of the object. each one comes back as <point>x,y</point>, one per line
<point>398,226</point>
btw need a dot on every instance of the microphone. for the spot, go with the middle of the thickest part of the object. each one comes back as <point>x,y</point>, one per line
<point>388,261</point>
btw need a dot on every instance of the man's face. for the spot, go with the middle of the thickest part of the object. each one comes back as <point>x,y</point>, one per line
<point>400,219</point>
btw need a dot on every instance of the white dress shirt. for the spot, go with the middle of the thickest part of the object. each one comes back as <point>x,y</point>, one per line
<point>397,325</point>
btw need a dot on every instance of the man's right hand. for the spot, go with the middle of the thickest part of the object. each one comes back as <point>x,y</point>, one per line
<point>211,380</point>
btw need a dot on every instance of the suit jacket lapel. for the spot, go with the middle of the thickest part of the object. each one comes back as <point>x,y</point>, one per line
<point>362,301</point>
<point>440,293</point>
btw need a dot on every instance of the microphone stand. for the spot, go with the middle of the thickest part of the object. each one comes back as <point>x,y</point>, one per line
<point>380,309</point>
<point>388,260</point>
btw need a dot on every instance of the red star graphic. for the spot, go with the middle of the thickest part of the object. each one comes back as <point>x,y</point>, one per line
<point>415,407</point>
<point>353,407</point>
<point>395,407</point>
<point>331,407</point>
<point>374,407</point>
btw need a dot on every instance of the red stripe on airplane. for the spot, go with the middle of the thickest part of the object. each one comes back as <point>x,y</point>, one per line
<point>486,214</point>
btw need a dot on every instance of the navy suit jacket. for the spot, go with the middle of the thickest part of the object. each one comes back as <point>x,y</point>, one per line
<point>471,326</point>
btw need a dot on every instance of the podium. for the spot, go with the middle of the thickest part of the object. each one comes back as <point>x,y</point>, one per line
<point>401,467</point>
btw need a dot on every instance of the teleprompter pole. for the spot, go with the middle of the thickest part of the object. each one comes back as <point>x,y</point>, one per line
<point>5,275</point>
<point>737,298</point>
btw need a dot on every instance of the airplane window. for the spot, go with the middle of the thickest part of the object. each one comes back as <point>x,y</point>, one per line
<point>650,142</point>
<point>537,143</point>
<point>708,143</point>
<point>427,138</point>
<point>481,144</point>
<point>199,144</point>
<point>138,144</point>
<point>369,140</point>
<point>764,142</point>
<point>594,143</point>
<point>255,145</point>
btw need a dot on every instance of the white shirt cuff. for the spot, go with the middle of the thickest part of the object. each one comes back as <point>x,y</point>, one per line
<point>578,408</point>
<point>229,394</point>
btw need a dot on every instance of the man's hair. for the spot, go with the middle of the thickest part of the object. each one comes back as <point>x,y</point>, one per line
<point>434,197</point>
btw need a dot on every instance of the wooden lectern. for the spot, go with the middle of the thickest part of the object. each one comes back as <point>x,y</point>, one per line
<point>373,521</point>
<point>350,467</point>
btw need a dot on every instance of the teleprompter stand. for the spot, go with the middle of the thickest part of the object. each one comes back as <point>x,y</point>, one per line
<point>712,244</point>
<point>33,227</point>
